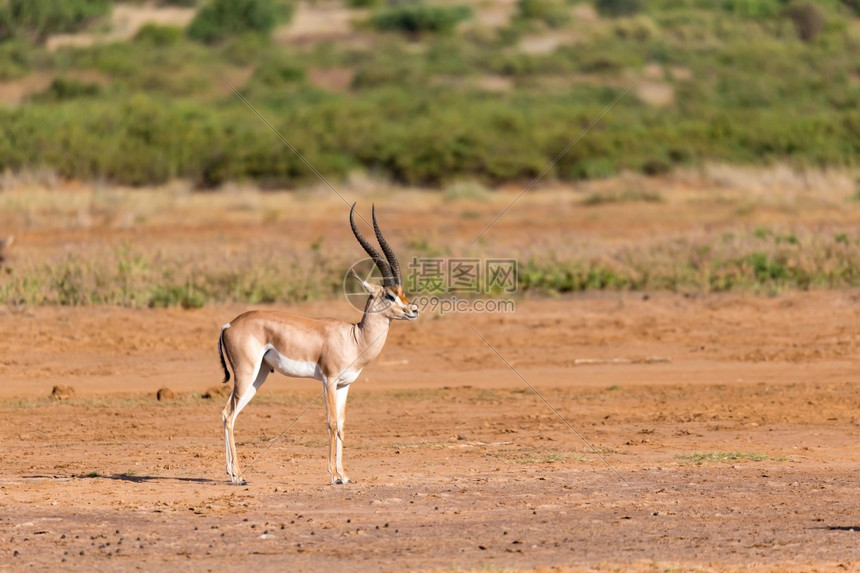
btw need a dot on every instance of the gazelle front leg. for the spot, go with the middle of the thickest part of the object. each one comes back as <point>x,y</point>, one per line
<point>341,420</point>
<point>335,415</point>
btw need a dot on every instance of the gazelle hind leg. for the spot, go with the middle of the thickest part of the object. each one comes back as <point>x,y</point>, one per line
<point>228,418</point>
<point>239,398</point>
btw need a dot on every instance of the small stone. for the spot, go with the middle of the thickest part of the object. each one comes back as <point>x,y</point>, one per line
<point>165,394</point>
<point>63,392</point>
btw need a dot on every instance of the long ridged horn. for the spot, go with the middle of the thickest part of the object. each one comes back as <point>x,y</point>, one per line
<point>386,248</point>
<point>388,278</point>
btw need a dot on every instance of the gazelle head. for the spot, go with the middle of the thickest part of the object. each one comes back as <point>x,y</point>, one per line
<point>387,299</point>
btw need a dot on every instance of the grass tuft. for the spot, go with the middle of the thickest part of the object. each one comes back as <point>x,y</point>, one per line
<point>699,458</point>
<point>758,261</point>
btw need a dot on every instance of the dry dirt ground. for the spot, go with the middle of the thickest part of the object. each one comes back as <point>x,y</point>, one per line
<point>594,433</point>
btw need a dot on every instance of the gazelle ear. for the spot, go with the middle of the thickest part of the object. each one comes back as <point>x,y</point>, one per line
<point>366,285</point>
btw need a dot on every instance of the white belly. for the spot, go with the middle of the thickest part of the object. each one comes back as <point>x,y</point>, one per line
<point>290,367</point>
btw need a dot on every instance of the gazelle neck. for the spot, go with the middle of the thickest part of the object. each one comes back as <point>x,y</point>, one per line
<point>373,325</point>
<point>371,330</point>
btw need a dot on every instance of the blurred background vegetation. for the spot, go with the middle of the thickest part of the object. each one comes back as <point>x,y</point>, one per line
<point>422,92</point>
<point>459,95</point>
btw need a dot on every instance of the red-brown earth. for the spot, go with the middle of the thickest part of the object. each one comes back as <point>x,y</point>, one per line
<point>589,433</point>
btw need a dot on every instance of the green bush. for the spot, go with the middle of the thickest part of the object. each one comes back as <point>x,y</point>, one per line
<point>615,8</point>
<point>808,19</point>
<point>41,18</point>
<point>7,24</point>
<point>745,91</point>
<point>17,57</point>
<point>245,49</point>
<point>159,35</point>
<point>277,73</point>
<point>853,5</point>
<point>416,17</point>
<point>362,3</point>
<point>62,89</point>
<point>221,19</point>
<point>754,8</point>
<point>553,13</point>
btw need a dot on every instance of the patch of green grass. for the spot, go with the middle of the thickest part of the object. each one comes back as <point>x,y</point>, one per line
<point>186,296</point>
<point>420,445</point>
<point>464,190</point>
<point>699,458</point>
<point>627,196</point>
<point>550,458</point>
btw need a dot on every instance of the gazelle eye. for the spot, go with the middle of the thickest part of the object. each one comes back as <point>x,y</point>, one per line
<point>389,296</point>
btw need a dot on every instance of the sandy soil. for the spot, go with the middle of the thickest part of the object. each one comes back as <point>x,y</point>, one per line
<point>630,432</point>
<point>457,462</point>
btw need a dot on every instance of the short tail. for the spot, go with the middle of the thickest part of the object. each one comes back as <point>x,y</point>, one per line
<point>221,354</point>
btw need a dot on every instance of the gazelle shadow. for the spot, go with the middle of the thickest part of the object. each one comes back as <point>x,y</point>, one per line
<point>126,477</point>
<point>144,479</point>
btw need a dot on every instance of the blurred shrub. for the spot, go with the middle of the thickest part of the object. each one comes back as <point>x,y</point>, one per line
<point>362,3</point>
<point>853,5</point>
<point>754,8</point>
<point>245,49</point>
<point>41,18</point>
<point>744,92</point>
<point>221,19</point>
<point>62,89</point>
<point>16,58</point>
<point>278,72</point>
<point>640,28</point>
<point>808,19</point>
<point>414,17</point>
<point>418,136</point>
<point>7,24</point>
<point>159,35</point>
<point>552,13</point>
<point>615,8</point>
<point>185,296</point>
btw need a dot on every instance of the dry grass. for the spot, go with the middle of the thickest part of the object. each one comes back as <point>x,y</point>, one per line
<point>718,229</point>
<point>186,276</point>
